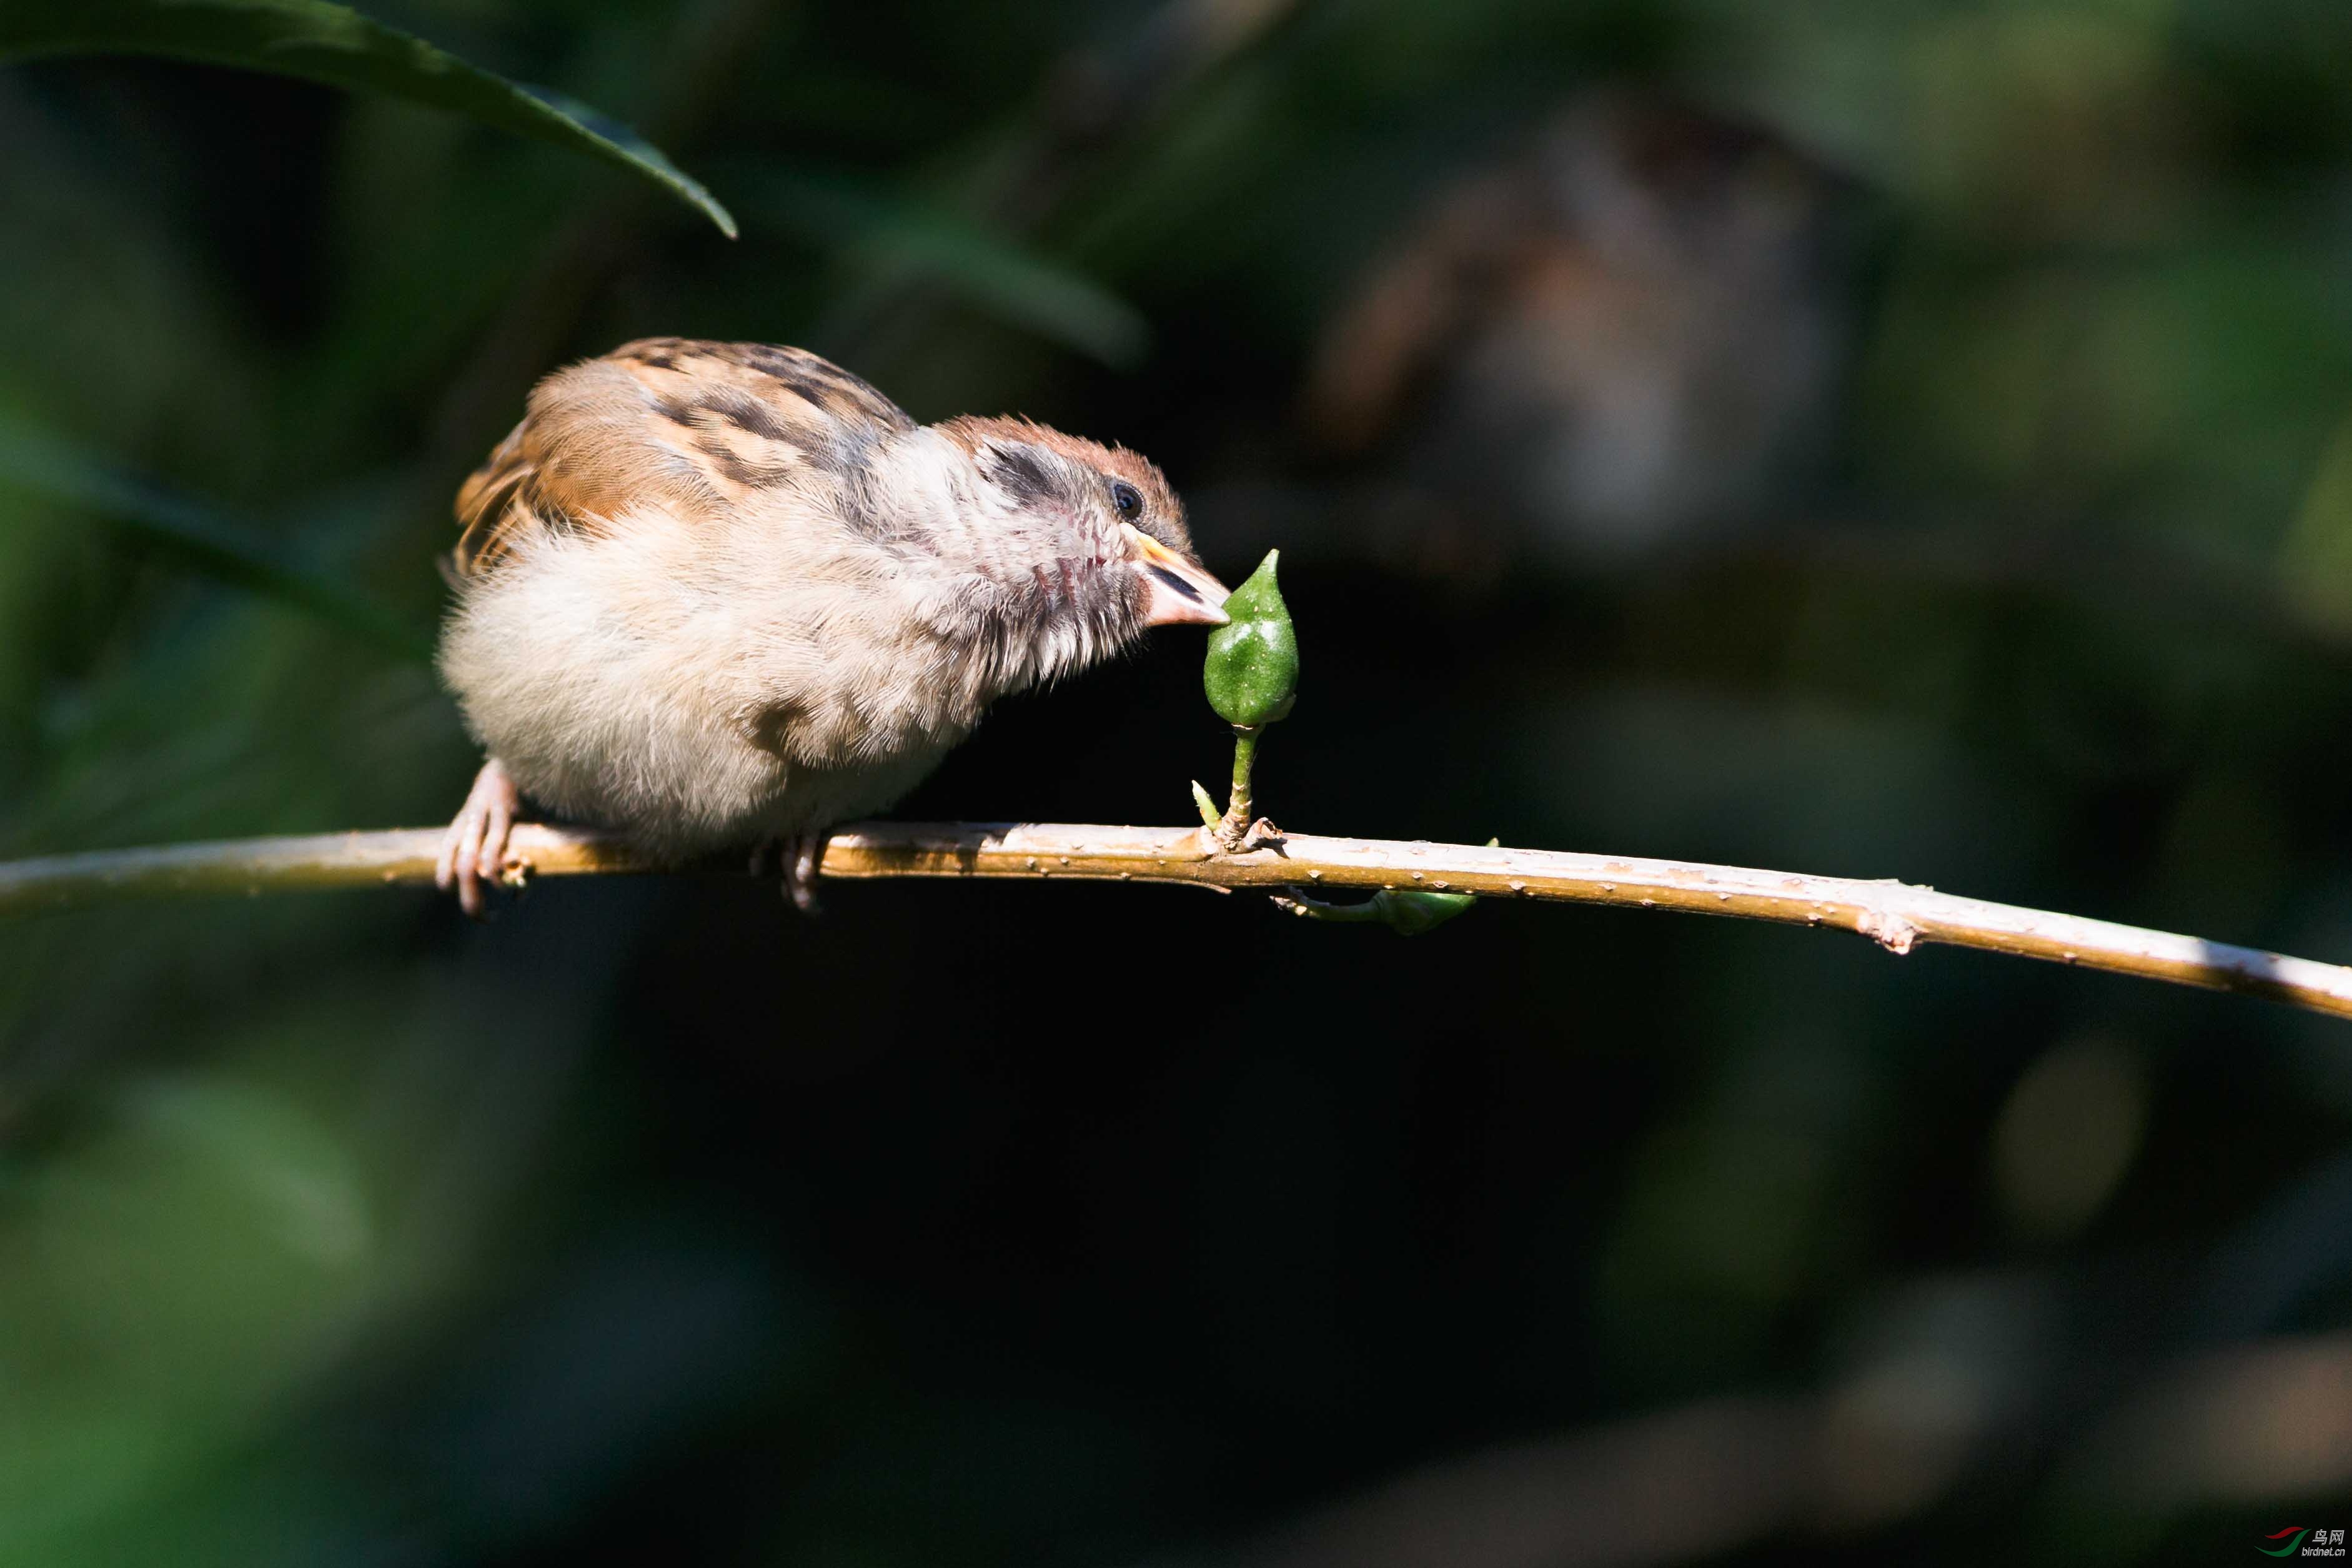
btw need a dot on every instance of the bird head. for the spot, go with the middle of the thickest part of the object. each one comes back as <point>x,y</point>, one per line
<point>1087,541</point>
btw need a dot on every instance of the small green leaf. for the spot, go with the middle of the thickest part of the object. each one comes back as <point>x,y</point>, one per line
<point>1409,915</point>
<point>335,45</point>
<point>1407,912</point>
<point>1252,673</point>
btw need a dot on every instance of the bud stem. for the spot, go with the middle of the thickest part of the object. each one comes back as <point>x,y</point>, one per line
<point>1234,828</point>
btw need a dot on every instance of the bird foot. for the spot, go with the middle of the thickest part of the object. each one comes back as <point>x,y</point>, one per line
<point>474,850</point>
<point>795,858</point>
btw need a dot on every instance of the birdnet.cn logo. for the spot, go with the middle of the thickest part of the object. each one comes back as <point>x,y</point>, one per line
<point>2321,1542</point>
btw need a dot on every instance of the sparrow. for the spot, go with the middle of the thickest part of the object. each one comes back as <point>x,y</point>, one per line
<point>1630,332</point>
<point>711,594</point>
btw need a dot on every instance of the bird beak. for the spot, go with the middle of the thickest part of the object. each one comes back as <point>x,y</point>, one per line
<point>1176,592</point>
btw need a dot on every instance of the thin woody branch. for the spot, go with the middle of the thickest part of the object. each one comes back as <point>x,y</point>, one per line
<point>1897,916</point>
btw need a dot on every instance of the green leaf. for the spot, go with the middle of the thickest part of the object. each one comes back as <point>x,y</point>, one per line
<point>337,46</point>
<point>1252,671</point>
<point>38,465</point>
<point>986,268</point>
<point>1409,915</point>
<point>1405,913</point>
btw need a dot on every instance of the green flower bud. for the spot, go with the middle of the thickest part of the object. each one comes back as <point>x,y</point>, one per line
<point>1251,674</point>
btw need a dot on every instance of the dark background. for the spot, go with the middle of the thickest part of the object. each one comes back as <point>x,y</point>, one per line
<point>1911,440</point>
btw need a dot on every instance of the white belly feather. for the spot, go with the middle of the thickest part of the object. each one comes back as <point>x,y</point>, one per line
<point>706,686</point>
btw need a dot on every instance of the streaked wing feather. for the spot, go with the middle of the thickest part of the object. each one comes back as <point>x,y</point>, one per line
<point>676,423</point>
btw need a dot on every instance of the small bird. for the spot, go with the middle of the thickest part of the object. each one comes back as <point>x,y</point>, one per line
<point>1630,332</point>
<point>714,594</point>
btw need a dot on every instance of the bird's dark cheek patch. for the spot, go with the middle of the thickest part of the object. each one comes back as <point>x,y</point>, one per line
<point>1021,474</point>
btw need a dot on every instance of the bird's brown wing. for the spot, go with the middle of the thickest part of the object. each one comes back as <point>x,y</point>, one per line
<point>670,422</point>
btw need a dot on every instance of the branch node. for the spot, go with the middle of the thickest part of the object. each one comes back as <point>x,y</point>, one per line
<point>1891,931</point>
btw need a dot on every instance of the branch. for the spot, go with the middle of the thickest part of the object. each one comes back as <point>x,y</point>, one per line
<point>1897,916</point>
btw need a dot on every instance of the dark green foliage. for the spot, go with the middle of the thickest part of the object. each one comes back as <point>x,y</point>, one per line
<point>891,230</point>
<point>191,535</point>
<point>337,46</point>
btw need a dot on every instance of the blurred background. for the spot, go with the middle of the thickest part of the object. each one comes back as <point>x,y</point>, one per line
<point>1911,440</point>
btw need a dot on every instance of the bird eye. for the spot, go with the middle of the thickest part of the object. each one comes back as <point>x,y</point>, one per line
<point>1126,498</point>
